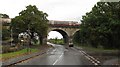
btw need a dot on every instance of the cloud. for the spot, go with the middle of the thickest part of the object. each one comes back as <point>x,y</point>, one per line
<point>56,9</point>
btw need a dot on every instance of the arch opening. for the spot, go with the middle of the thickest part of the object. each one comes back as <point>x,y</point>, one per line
<point>63,34</point>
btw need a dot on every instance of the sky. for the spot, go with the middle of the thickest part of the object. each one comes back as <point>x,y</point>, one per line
<point>65,10</point>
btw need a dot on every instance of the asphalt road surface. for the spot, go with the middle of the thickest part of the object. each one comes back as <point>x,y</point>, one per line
<point>59,55</point>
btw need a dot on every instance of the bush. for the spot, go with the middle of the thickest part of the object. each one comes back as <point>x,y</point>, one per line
<point>8,48</point>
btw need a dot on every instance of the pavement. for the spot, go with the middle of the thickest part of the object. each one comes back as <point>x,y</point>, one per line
<point>18,59</point>
<point>22,58</point>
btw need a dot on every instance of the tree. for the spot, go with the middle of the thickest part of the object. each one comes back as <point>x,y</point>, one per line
<point>5,34</point>
<point>102,25</point>
<point>31,19</point>
<point>5,29</point>
<point>4,16</point>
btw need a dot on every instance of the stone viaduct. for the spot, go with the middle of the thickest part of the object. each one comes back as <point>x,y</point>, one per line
<point>66,28</point>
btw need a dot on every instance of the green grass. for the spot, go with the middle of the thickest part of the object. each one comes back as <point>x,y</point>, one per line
<point>102,54</point>
<point>58,41</point>
<point>17,53</point>
<point>99,49</point>
<point>0,46</point>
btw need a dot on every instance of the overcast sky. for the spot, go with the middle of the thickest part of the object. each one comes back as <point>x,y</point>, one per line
<point>56,9</point>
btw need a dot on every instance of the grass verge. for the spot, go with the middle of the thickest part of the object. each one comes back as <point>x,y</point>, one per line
<point>101,50</point>
<point>16,54</point>
<point>102,54</point>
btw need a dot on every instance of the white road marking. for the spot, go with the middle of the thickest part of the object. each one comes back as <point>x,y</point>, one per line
<point>92,59</point>
<point>98,61</point>
<point>95,63</point>
<point>57,59</point>
<point>53,51</point>
<point>87,57</point>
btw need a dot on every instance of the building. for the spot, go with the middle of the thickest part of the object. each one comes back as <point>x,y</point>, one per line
<point>5,23</point>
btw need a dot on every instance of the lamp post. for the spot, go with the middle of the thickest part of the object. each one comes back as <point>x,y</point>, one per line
<point>29,40</point>
<point>11,37</point>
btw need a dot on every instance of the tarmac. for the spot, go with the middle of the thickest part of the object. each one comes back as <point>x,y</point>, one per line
<point>115,61</point>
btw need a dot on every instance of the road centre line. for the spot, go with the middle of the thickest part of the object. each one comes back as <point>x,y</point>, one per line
<point>57,59</point>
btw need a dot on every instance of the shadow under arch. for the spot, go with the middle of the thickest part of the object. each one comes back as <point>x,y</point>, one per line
<point>64,34</point>
<point>75,36</point>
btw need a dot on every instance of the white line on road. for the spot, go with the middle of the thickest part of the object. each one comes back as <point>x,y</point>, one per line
<point>57,59</point>
<point>92,59</point>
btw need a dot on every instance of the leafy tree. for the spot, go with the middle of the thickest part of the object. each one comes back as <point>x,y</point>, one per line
<point>31,19</point>
<point>4,16</point>
<point>5,34</point>
<point>5,30</point>
<point>101,25</point>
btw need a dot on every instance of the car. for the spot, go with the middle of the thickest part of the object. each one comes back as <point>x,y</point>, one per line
<point>70,45</point>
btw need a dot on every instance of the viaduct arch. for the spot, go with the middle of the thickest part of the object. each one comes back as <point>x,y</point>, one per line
<point>67,33</point>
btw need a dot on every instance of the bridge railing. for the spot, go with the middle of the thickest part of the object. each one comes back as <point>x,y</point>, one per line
<point>65,25</point>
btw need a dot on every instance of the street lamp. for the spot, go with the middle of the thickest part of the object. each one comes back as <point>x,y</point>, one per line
<point>11,37</point>
<point>28,39</point>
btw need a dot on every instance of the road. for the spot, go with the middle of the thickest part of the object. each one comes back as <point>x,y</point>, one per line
<point>59,55</point>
